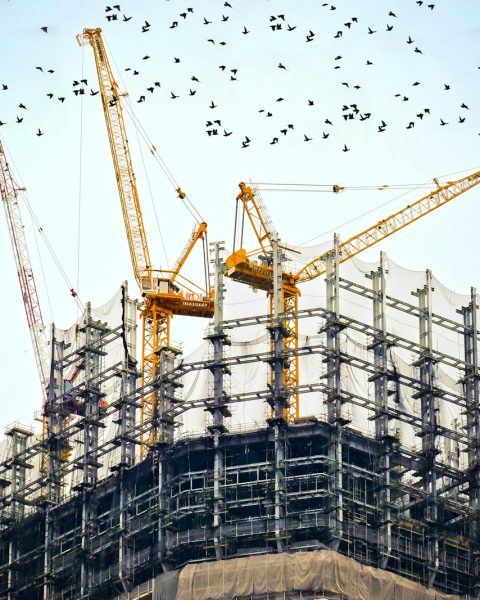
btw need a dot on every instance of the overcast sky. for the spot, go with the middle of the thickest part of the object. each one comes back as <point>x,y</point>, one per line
<point>244,63</point>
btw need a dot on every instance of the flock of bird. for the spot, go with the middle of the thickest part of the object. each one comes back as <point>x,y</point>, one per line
<point>214,126</point>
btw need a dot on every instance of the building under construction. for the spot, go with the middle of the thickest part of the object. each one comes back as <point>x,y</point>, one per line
<point>380,467</point>
<point>322,446</point>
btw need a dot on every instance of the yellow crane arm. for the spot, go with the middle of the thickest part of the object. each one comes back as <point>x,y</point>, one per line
<point>117,136</point>
<point>257,215</point>
<point>374,234</point>
<point>198,233</point>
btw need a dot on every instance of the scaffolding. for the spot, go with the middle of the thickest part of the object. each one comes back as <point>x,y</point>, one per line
<point>102,519</point>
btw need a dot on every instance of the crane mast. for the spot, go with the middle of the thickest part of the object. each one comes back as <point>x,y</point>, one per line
<point>240,266</point>
<point>163,297</point>
<point>122,161</point>
<point>10,196</point>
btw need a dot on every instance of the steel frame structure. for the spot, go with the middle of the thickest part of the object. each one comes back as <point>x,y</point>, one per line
<point>226,492</point>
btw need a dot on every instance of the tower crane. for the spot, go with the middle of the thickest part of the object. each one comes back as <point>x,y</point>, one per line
<point>166,292</point>
<point>10,196</point>
<point>242,266</point>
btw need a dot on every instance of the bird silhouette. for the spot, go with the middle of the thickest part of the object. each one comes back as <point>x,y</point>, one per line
<point>325,135</point>
<point>392,14</point>
<point>418,51</point>
<point>44,29</point>
<point>370,31</point>
<point>446,86</point>
<point>19,120</point>
<point>274,141</point>
<point>4,86</point>
<point>310,103</point>
<point>410,41</point>
<point>389,27</point>
<point>224,18</point>
<point>2,123</point>
<point>411,125</point>
<point>369,62</point>
<point>280,66</point>
<point>173,96</point>
<point>461,119</point>
<point>345,149</point>
<point>141,99</point>
<point>205,22</point>
<point>39,69</point>
<point>39,132</point>
<point>22,106</point>
<point>306,138</point>
<point>212,105</point>
<point>176,60</point>
<point>290,28</point>
<point>174,24</point>
<point>442,122</point>
<point>415,83</point>
<point>192,92</point>
<point>463,105</point>
<point>125,19</point>
<point>146,57</point>
<point>227,133</point>
<point>245,31</point>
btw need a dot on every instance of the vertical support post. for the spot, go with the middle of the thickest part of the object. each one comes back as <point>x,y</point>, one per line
<point>471,390</point>
<point>18,445</point>
<point>428,431</point>
<point>382,420</point>
<point>219,409</point>
<point>57,448</point>
<point>166,399</point>
<point>126,427</point>
<point>335,415</point>
<point>279,398</point>
<point>93,408</point>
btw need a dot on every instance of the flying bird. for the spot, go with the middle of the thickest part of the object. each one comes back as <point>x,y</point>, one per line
<point>442,122</point>
<point>306,138</point>
<point>345,149</point>
<point>245,30</point>
<point>125,19</point>
<point>45,29</point>
<point>370,31</point>
<point>280,66</point>
<point>39,132</point>
<point>19,120</point>
<point>172,96</point>
<point>227,133</point>
<point>212,105</point>
<point>325,135</point>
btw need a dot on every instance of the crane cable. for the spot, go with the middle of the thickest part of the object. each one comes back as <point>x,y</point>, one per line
<point>329,188</point>
<point>79,209</point>
<point>160,161</point>
<point>22,192</point>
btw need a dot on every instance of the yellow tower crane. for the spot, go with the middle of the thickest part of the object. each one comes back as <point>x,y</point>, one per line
<point>163,295</point>
<point>257,272</point>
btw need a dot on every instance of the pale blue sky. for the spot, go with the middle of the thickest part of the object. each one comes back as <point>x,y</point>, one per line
<point>66,177</point>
